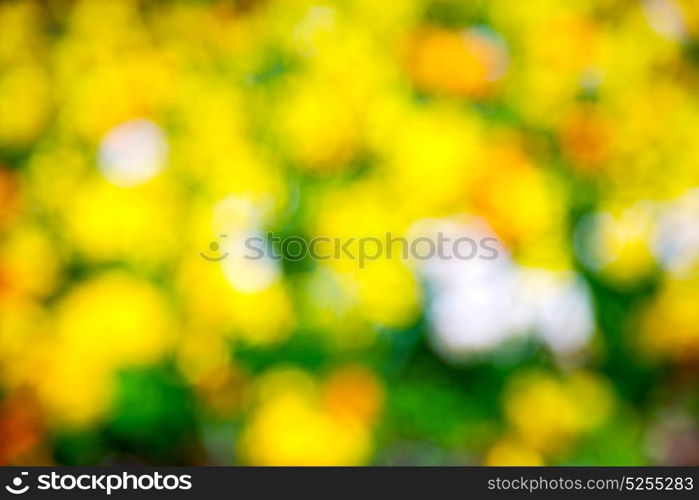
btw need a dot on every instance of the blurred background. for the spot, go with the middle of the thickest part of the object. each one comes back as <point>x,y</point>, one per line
<point>137,137</point>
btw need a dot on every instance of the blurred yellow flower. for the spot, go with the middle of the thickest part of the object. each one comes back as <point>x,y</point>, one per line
<point>25,332</point>
<point>29,263</point>
<point>353,392</point>
<point>430,159</point>
<point>261,317</point>
<point>20,31</point>
<point>388,293</point>
<point>549,414</point>
<point>511,451</point>
<point>138,224</point>
<point>121,75</point>
<point>461,63</point>
<point>622,243</point>
<point>115,319</point>
<point>586,138</point>
<point>670,325</point>
<point>362,222</point>
<point>201,353</point>
<point>108,322</point>
<point>523,204</point>
<point>290,426</point>
<point>319,127</point>
<point>66,405</point>
<point>9,198</point>
<point>24,100</point>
